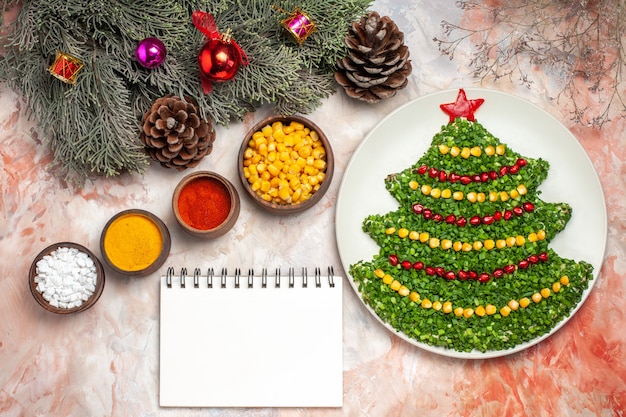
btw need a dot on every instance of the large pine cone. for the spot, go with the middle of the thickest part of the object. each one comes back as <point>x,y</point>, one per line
<point>378,64</point>
<point>174,134</point>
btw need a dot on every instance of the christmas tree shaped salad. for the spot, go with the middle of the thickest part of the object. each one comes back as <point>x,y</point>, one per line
<point>465,262</point>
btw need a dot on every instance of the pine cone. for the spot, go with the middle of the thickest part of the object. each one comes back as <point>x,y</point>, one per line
<point>378,64</point>
<point>174,133</point>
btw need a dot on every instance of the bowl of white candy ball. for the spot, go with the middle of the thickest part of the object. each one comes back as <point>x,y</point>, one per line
<point>66,278</point>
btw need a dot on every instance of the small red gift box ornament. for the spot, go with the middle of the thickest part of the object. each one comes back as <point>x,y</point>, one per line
<point>299,25</point>
<point>65,67</point>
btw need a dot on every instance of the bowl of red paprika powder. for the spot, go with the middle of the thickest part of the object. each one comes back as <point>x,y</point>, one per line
<point>205,204</point>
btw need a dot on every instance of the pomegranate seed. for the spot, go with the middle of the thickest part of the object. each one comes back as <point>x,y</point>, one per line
<point>508,214</point>
<point>543,256</point>
<point>417,208</point>
<point>418,265</point>
<point>533,259</point>
<point>475,220</point>
<point>443,176</point>
<point>454,177</point>
<point>428,213</point>
<point>504,170</point>
<point>430,270</point>
<point>463,275</point>
<point>473,275</point>
<point>450,275</point>
<point>422,170</point>
<point>407,265</point>
<point>393,260</point>
<point>440,271</point>
<point>528,206</point>
<point>484,177</point>
<point>465,179</point>
<point>518,211</point>
<point>437,217</point>
<point>498,273</point>
<point>497,216</point>
<point>488,219</point>
<point>493,175</point>
<point>461,222</point>
<point>523,264</point>
<point>509,269</point>
<point>433,173</point>
<point>521,162</point>
<point>476,178</point>
<point>484,277</point>
<point>450,219</point>
<point>513,169</point>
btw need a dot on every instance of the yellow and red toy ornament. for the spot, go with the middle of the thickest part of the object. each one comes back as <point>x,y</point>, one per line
<point>65,67</point>
<point>299,25</point>
<point>220,56</point>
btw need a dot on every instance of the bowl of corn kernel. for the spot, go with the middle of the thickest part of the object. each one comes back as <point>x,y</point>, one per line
<point>286,164</point>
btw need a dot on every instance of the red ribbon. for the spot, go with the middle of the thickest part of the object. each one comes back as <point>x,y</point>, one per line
<point>205,23</point>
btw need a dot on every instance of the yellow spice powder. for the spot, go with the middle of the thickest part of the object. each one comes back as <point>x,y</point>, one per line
<point>133,242</point>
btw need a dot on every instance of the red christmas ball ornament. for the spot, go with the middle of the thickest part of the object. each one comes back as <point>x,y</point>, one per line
<point>220,56</point>
<point>219,60</point>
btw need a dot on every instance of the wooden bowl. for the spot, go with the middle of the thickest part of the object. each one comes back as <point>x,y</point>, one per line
<point>34,275</point>
<point>282,207</point>
<point>125,239</point>
<point>216,204</point>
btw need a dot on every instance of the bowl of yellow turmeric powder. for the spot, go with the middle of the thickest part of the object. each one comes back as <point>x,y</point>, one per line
<point>286,164</point>
<point>135,242</point>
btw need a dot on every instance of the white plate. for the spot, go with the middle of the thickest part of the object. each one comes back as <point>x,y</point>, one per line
<point>400,139</point>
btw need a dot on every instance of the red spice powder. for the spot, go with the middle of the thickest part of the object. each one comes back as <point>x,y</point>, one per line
<point>204,203</point>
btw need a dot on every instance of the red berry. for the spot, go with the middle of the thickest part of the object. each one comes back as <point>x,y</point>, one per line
<point>433,173</point>
<point>521,162</point>
<point>523,264</point>
<point>509,269</point>
<point>461,222</point>
<point>484,277</point>
<point>443,176</point>
<point>428,213</point>
<point>463,275</point>
<point>407,265</point>
<point>533,259</point>
<point>484,177</point>
<point>450,275</point>
<point>488,219</point>
<point>422,169</point>
<point>518,211</point>
<point>417,208</point>
<point>504,170</point>
<point>473,275</point>
<point>498,273</point>
<point>476,178</point>
<point>430,270</point>
<point>528,206</point>
<point>437,217</point>
<point>508,214</point>
<point>475,220</point>
<point>493,175</point>
<point>450,219</point>
<point>497,215</point>
<point>513,169</point>
<point>393,260</point>
<point>543,256</point>
<point>454,177</point>
<point>418,265</point>
<point>465,179</point>
<point>440,271</point>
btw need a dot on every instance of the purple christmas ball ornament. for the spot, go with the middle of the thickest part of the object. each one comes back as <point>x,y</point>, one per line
<point>150,52</point>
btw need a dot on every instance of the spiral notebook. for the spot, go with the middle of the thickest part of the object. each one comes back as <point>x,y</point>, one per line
<point>251,340</point>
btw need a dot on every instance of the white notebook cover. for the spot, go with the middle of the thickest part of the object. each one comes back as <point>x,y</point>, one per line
<point>251,347</point>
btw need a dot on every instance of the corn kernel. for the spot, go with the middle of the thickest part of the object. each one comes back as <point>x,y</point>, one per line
<point>556,287</point>
<point>379,273</point>
<point>489,244</point>
<point>524,302</point>
<point>541,235</point>
<point>521,189</point>
<point>413,296</point>
<point>513,304</point>
<point>505,311</point>
<point>433,242</point>
<point>459,311</point>
<point>493,196</point>
<point>532,237</point>
<point>500,243</point>
<point>426,303</point>
<point>457,195</point>
<point>446,244</point>
<point>403,232</point>
<point>447,307</point>
<point>395,285</point>
<point>466,247</point>
<point>465,153</point>
<point>387,279</point>
<point>477,245</point>
<point>403,291</point>
<point>446,193</point>
<point>468,312</point>
<point>476,151</point>
<point>413,235</point>
<point>437,305</point>
<point>444,149</point>
<point>564,280</point>
<point>457,246</point>
<point>545,292</point>
<point>504,196</point>
<point>480,197</point>
<point>490,309</point>
<point>424,237</point>
<point>536,297</point>
<point>520,240</point>
<point>435,193</point>
<point>500,149</point>
<point>480,311</point>
<point>510,241</point>
<point>413,185</point>
<point>455,151</point>
<point>514,194</point>
<point>490,150</point>
<point>426,189</point>
<point>471,197</point>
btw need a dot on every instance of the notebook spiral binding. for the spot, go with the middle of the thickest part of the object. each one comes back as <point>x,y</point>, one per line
<point>211,276</point>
